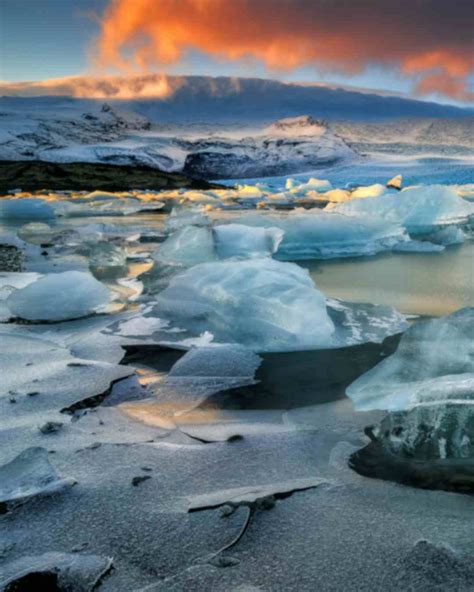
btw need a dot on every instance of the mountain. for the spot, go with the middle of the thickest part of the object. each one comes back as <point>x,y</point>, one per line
<point>105,135</point>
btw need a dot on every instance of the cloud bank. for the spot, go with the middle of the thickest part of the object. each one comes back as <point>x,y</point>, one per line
<point>429,41</point>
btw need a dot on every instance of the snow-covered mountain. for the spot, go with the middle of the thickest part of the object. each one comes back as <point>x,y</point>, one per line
<point>454,136</point>
<point>105,134</point>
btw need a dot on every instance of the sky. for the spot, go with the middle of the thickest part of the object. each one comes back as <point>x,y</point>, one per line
<point>423,48</point>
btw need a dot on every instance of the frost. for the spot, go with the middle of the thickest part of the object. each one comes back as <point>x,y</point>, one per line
<point>28,475</point>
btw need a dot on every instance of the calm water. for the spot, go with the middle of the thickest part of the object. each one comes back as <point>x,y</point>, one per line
<point>427,170</point>
<point>416,283</point>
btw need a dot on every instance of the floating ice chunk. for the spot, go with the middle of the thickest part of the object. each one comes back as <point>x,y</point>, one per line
<point>249,192</point>
<point>187,246</point>
<point>419,209</point>
<point>9,282</point>
<point>107,260</point>
<point>230,362</point>
<point>237,240</point>
<point>28,475</point>
<point>337,195</point>
<point>185,217</point>
<point>319,185</point>
<point>434,364</point>
<point>26,209</point>
<point>466,191</point>
<point>36,233</point>
<point>370,191</point>
<point>58,297</point>
<point>395,182</point>
<point>361,323</point>
<point>260,303</point>
<point>322,235</point>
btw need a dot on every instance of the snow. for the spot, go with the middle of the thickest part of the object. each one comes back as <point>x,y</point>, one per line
<point>58,297</point>
<point>80,131</point>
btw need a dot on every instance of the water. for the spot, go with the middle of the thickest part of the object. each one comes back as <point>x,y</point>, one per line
<point>424,170</point>
<point>414,283</point>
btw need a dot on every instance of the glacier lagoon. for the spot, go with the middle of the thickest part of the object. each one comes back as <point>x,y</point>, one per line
<point>145,401</point>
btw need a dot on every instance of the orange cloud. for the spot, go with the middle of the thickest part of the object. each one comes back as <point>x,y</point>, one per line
<point>108,87</point>
<point>424,38</point>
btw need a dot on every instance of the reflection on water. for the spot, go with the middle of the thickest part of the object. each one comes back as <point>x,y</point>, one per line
<point>414,283</point>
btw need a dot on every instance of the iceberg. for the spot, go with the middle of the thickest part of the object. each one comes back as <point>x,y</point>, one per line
<point>433,365</point>
<point>318,234</point>
<point>107,260</point>
<point>59,297</point>
<point>260,303</point>
<point>420,210</point>
<point>237,240</point>
<point>25,209</point>
<point>427,385</point>
<point>188,246</point>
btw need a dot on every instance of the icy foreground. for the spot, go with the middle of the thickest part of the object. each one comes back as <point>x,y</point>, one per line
<point>167,423</point>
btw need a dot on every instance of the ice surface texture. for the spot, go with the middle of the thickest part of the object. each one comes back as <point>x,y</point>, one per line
<point>261,303</point>
<point>28,475</point>
<point>58,297</point>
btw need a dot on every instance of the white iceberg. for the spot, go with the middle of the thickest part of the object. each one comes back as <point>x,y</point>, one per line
<point>59,297</point>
